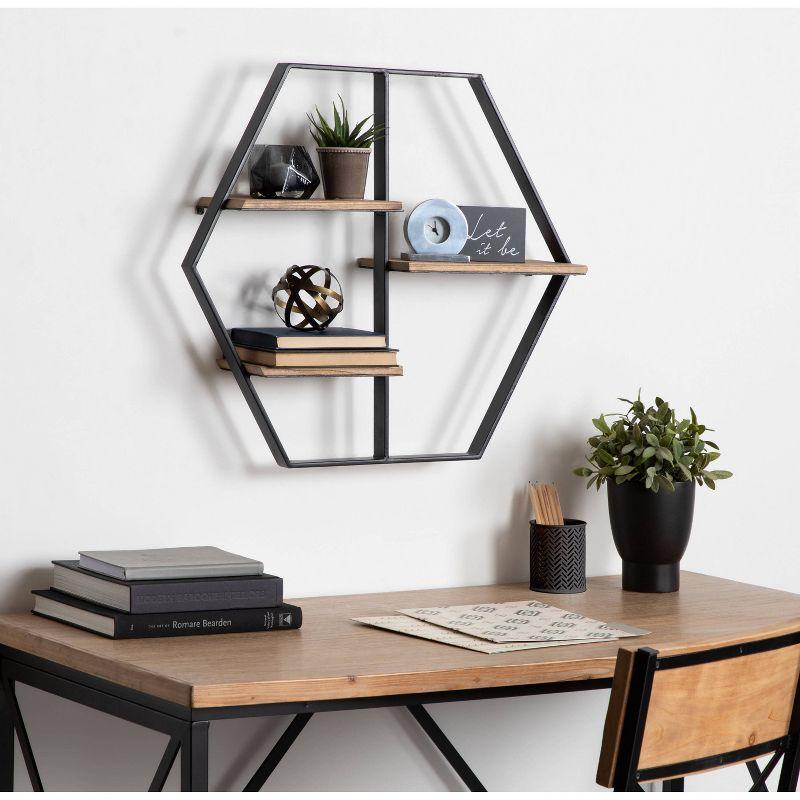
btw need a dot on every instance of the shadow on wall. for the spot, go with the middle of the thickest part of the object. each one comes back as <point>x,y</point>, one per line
<point>561,452</point>
<point>15,595</point>
<point>146,268</point>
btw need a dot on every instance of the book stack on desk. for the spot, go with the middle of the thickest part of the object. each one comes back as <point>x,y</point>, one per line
<point>334,351</point>
<point>174,591</point>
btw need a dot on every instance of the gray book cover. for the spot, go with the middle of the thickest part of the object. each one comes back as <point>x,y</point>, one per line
<point>168,562</point>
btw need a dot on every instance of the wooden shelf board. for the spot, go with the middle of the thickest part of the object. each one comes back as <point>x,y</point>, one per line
<point>246,203</point>
<point>482,267</point>
<point>316,372</point>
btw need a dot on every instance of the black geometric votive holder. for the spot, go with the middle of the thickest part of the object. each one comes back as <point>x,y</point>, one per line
<point>282,171</point>
<point>558,557</point>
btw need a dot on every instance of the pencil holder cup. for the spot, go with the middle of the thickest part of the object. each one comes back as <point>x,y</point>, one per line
<point>558,557</point>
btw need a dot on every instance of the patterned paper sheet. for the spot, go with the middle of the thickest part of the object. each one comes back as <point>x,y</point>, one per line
<point>424,630</point>
<point>522,621</point>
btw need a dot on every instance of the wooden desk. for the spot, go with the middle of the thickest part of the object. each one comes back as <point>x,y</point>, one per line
<point>179,685</point>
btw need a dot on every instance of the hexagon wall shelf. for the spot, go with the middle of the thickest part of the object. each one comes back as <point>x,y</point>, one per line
<point>560,268</point>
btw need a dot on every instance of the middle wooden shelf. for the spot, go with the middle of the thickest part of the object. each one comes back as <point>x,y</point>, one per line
<point>529,267</point>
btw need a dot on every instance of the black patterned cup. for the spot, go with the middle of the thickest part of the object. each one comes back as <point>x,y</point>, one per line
<point>558,557</point>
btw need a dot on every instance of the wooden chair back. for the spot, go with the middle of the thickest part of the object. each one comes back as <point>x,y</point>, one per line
<point>671,716</point>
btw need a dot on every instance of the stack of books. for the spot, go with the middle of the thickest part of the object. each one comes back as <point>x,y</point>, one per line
<point>174,591</point>
<point>334,351</point>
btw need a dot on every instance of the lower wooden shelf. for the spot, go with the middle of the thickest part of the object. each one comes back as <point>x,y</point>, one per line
<point>530,267</point>
<point>316,372</point>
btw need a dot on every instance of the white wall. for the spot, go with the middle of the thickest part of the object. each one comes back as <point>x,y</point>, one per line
<point>666,146</point>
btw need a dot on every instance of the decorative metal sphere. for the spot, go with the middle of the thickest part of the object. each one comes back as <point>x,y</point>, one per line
<point>302,302</point>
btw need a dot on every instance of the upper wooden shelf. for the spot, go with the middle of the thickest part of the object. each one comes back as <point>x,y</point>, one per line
<point>483,267</point>
<point>240,202</point>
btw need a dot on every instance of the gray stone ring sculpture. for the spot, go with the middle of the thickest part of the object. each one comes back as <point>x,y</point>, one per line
<point>436,227</point>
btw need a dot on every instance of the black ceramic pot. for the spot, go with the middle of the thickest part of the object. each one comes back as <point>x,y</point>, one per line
<point>651,532</point>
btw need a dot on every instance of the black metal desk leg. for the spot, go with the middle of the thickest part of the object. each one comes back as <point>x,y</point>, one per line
<point>6,746</point>
<point>790,770</point>
<point>673,785</point>
<point>446,748</point>
<point>194,757</point>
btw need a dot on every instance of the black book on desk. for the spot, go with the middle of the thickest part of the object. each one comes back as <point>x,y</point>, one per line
<point>167,595</point>
<point>116,625</point>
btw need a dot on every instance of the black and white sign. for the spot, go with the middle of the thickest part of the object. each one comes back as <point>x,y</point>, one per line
<point>494,233</point>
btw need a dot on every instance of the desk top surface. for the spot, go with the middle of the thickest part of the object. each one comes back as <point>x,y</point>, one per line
<point>333,658</point>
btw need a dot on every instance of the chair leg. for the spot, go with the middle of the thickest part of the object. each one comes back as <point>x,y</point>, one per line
<point>791,766</point>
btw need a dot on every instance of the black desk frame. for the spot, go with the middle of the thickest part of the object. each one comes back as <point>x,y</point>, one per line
<point>188,728</point>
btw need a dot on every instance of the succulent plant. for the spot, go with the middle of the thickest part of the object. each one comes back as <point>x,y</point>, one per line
<point>340,134</point>
<point>651,446</point>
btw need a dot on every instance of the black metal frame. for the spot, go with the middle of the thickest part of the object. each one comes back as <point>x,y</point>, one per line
<point>380,292</point>
<point>188,728</point>
<point>646,663</point>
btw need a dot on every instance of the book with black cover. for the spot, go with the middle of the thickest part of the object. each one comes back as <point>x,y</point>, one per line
<point>164,596</point>
<point>116,625</point>
<point>291,339</point>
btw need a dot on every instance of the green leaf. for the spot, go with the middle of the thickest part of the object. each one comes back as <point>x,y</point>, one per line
<point>337,120</point>
<point>601,425</point>
<point>630,447</point>
<point>665,483</point>
<point>623,470</point>
<point>652,439</point>
<point>719,474</point>
<point>582,472</point>
<point>711,444</point>
<point>665,454</point>
<point>604,456</point>
<point>648,452</point>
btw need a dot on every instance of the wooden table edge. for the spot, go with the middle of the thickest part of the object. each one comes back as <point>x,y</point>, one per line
<point>154,684</point>
<point>365,686</point>
<point>479,677</point>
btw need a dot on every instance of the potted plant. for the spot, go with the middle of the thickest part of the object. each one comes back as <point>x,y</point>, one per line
<point>343,153</point>
<point>651,462</point>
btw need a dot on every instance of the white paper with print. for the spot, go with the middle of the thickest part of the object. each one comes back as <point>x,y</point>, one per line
<point>424,630</point>
<point>522,621</point>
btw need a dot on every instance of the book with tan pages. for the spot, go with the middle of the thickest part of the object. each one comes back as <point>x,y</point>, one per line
<point>319,358</point>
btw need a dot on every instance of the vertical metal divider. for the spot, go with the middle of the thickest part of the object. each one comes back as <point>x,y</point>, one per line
<point>380,277</point>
